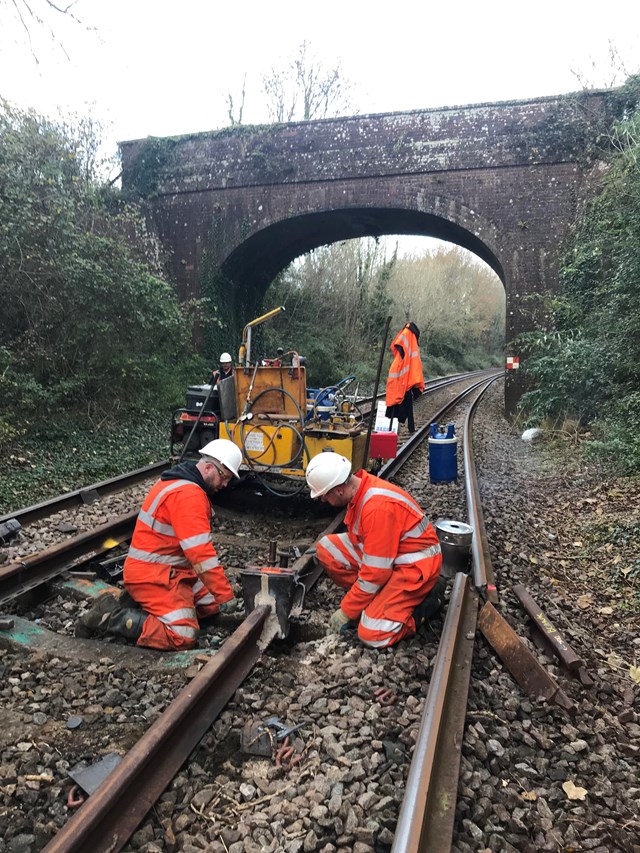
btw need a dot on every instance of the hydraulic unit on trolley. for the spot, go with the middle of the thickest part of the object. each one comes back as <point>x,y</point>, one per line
<point>267,410</point>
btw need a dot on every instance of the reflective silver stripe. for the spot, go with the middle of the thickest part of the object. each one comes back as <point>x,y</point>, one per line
<point>198,539</point>
<point>416,556</point>
<point>175,615</point>
<point>416,531</point>
<point>154,524</point>
<point>371,493</point>
<point>354,550</point>
<point>148,515</point>
<point>206,599</point>
<point>367,586</point>
<point>386,625</point>
<point>198,585</point>
<point>377,644</point>
<point>173,484</point>
<point>337,555</point>
<point>397,374</point>
<point>377,562</point>
<point>211,563</point>
<point>165,559</point>
<point>183,631</point>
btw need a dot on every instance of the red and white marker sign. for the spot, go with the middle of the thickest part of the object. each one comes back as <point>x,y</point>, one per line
<point>513,362</point>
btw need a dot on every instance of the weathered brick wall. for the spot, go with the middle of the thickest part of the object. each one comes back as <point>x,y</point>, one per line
<point>502,179</point>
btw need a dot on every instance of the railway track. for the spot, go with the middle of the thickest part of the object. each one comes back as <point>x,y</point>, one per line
<point>102,823</point>
<point>294,677</point>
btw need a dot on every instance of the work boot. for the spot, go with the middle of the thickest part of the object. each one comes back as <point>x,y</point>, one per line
<point>112,614</point>
<point>434,600</point>
<point>127,622</point>
<point>94,622</point>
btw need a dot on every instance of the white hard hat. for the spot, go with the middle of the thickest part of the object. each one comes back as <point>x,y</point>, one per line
<point>226,452</point>
<point>225,358</point>
<point>325,471</point>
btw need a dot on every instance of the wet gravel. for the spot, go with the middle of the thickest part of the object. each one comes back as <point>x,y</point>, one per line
<point>341,787</point>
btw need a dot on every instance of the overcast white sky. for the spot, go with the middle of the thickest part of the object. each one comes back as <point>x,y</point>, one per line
<point>150,67</point>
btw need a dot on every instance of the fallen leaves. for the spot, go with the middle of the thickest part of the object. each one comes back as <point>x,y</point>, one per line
<point>634,672</point>
<point>574,792</point>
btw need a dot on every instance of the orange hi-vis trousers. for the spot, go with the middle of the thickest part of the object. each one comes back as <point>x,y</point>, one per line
<point>388,617</point>
<point>174,607</point>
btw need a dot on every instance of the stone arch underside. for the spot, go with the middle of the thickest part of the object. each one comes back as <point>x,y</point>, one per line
<point>254,264</point>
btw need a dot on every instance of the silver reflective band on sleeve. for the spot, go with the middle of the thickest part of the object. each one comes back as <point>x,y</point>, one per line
<point>386,625</point>
<point>206,599</point>
<point>366,586</point>
<point>416,556</point>
<point>337,555</point>
<point>198,585</point>
<point>377,562</point>
<point>165,559</point>
<point>211,563</point>
<point>198,539</point>
<point>416,531</point>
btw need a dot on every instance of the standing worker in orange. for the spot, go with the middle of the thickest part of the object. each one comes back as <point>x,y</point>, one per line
<point>389,559</point>
<point>172,574</point>
<point>405,380</point>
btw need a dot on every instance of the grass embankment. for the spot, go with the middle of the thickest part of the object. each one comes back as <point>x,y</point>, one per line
<point>51,462</point>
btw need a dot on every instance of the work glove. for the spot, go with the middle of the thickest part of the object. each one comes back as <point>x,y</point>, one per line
<point>338,622</point>
<point>229,606</point>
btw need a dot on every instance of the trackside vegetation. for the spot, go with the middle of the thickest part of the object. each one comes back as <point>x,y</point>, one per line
<point>92,337</point>
<point>585,367</point>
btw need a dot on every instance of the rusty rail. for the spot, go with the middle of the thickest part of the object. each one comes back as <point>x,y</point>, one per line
<point>86,495</point>
<point>18,578</point>
<point>110,816</point>
<point>426,818</point>
<point>427,815</point>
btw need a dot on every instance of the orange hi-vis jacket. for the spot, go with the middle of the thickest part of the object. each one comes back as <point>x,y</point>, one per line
<point>406,370</point>
<point>387,529</point>
<point>172,538</point>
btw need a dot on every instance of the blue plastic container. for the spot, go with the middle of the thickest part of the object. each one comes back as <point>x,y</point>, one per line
<point>443,454</point>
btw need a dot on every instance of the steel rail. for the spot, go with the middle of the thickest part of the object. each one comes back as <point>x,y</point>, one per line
<point>425,822</point>
<point>88,494</point>
<point>483,576</point>
<point>18,578</point>
<point>110,816</point>
<point>427,815</point>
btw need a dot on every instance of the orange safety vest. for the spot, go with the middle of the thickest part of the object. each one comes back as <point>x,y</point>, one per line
<point>387,529</point>
<point>406,370</point>
<point>172,537</point>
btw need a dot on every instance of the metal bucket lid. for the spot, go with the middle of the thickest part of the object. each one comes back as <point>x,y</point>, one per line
<point>454,532</point>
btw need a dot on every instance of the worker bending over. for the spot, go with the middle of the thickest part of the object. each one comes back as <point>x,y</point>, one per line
<point>172,572</point>
<point>389,559</point>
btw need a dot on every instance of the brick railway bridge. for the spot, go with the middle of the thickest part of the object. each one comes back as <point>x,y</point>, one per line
<point>503,180</point>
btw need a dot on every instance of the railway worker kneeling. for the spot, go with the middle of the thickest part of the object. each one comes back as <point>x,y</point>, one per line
<point>389,559</point>
<point>172,574</point>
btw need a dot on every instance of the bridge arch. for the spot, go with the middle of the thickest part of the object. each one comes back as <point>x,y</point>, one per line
<point>504,180</point>
<point>258,259</point>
